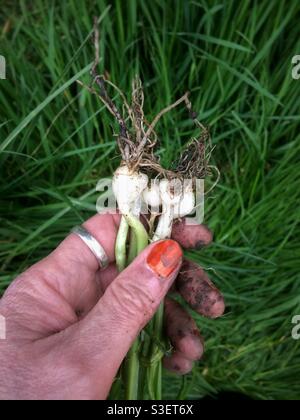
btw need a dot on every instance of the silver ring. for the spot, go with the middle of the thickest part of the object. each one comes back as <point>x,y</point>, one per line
<point>93,245</point>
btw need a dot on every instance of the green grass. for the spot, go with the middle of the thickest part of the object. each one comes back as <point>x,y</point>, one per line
<point>56,142</point>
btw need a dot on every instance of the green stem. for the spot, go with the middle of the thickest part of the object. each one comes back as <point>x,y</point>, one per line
<point>145,345</point>
<point>139,237</point>
<point>140,232</point>
<point>132,252</point>
<point>120,247</point>
<point>131,372</point>
<point>138,242</point>
<point>156,355</point>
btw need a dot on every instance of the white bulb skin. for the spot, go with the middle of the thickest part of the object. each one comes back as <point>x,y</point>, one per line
<point>170,191</point>
<point>128,186</point>
<point>178,200</point>
<point>185,206</point>
<point>151,195</point>
<point>164,226</point>
<point>137,207</point>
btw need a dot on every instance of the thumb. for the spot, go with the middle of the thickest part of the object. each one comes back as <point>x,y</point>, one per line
<point>106,334</point>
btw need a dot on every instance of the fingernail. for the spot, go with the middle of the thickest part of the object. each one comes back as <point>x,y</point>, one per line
<point>164,258</point>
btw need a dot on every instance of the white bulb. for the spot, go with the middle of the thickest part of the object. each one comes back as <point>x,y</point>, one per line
<point>151,195</point>
<point>170,191</point>
<point>185,206</point>
<point>178,200</point>
<point>128,187</point>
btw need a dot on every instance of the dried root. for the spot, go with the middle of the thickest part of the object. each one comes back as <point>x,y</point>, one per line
<point>137,139</point>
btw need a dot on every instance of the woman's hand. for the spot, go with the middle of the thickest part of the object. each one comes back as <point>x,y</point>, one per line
<point>69,325</point>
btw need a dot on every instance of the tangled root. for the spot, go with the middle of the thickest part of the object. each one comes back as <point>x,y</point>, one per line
<point>137,139</point>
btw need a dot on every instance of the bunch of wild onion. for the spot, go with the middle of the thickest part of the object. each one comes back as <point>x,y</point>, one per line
<point>168,195</point>
<point>130,189</point>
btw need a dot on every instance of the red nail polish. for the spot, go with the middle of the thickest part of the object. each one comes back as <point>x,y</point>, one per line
<point>164,257</point>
